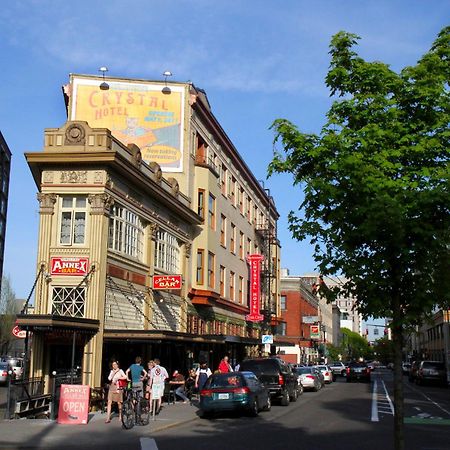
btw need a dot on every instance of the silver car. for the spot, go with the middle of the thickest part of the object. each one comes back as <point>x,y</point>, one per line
<point>326,372</point>
<point>309,378</point>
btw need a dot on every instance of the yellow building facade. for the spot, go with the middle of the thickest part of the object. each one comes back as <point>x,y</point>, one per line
<point>142,182</point>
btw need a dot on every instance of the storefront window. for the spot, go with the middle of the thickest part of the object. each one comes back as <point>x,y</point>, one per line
<point>68,301</point>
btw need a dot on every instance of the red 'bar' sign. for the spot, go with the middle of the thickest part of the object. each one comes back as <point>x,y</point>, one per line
<point>255,288</point>
<point>69,266</point>
<point>167,282</point>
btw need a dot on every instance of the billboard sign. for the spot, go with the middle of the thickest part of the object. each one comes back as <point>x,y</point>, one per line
<point>69,266</point>
<point>136,112</point>
<point>73,404</point>
<point>167,282</point>
<point>314,331</point>
<point>255,288</point>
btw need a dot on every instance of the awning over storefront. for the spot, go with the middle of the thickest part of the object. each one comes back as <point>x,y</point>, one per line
<point>49,323</point>
<point>158,336</point>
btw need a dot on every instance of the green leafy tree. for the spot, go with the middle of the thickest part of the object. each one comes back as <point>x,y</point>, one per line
<point>384,350</point>
<point>376,187</point>
<point>7,315</point>
<point>354,346</point>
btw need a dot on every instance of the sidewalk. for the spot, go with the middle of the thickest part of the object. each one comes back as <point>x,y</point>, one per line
<point>42,434</point>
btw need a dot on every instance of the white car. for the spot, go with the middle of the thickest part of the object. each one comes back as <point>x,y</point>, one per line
<point>326,372</point>
<point>309,378</point>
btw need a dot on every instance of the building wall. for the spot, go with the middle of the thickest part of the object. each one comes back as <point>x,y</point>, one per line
<point>297,302</point>
<point>118,192</point>
<point>5,167</point>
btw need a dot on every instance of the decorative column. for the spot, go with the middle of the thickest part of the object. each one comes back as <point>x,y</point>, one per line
<point>46,212</point>
<point>100,205</point>
<point>153,230</point>
<point>185,272</point>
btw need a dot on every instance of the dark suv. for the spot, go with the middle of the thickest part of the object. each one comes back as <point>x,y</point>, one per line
<point>358,371</point>
<point>276,375</point>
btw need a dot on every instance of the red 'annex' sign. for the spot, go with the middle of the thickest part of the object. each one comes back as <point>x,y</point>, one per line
<point>255,288</point>
<point>69,266</point>
<point>167,282</point>
<point>74,404</point>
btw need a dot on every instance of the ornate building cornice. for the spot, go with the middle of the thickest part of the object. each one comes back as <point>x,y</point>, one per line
<point>47,203</point>
<point>100,203</point>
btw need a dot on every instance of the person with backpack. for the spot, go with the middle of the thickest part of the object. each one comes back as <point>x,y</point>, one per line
<point>201,375</point>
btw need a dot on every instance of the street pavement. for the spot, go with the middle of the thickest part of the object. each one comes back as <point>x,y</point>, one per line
<point>28,434</point>
<point>350,416</point>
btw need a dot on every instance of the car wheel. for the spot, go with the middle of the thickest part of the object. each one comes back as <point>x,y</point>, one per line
<point>268,404</point>
<point>348,380</point>
<point>254,408</point>
<point>343,373</point>
<point>300,389</point>
<point>204,414</point>
<point>285,398</point>
<point>294,396</point>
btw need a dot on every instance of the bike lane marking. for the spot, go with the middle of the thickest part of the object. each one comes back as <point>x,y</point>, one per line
<point>424,418</point>
<point>374,417</point>
<point>148,444</point>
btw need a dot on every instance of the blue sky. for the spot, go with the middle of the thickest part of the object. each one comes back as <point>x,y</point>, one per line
<point>258,60</point>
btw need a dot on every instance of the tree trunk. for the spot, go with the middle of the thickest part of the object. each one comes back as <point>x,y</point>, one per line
<point>397,334</point>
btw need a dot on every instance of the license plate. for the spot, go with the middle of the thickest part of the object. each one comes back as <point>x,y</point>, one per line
<point>224,396</point>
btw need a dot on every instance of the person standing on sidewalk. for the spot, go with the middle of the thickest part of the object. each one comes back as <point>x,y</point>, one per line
<point>225,366</point>
<point>115,393</point>
<point>157,378</point>
<point>202,374</point>
<point>136,373</point>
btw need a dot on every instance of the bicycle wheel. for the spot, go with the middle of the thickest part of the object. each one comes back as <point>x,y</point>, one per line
<point>128,414</point>
<point>144,412</point>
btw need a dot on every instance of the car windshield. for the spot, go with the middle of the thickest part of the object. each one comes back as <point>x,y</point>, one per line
<point>260,366</point>
<point>303,370</point>
<point>358,365</point>
<point>4,366</point>
<point>225,381</point>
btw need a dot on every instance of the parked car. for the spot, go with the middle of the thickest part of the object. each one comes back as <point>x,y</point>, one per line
<point>326,372</point>
<point>17,366</point>
<point>432,372</point>
<point>358,371</point>
<point>276,375</point>
<point>406,366</point>
<point>338,369</point>
<point>4,375</point>
<point>413,371</point>
<point>234,391</point>
<point>309,378</point>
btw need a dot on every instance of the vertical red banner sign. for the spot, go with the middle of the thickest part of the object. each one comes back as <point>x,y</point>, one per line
<point>255,288</point>
<point>74,404</point>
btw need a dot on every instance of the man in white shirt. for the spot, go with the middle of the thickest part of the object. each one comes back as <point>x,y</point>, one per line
<point>157,377</point>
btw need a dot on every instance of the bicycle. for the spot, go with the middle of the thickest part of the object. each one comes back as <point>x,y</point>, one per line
<point>135,409</point>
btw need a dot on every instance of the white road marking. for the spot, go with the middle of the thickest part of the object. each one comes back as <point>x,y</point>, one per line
<point>148,444</point>
<point>430,400</point>
<point>374,403</point>
<point>388,398</point>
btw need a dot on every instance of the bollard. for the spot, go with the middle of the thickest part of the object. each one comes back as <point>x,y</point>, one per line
<point>53,406</point>
<point>8,397</point>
